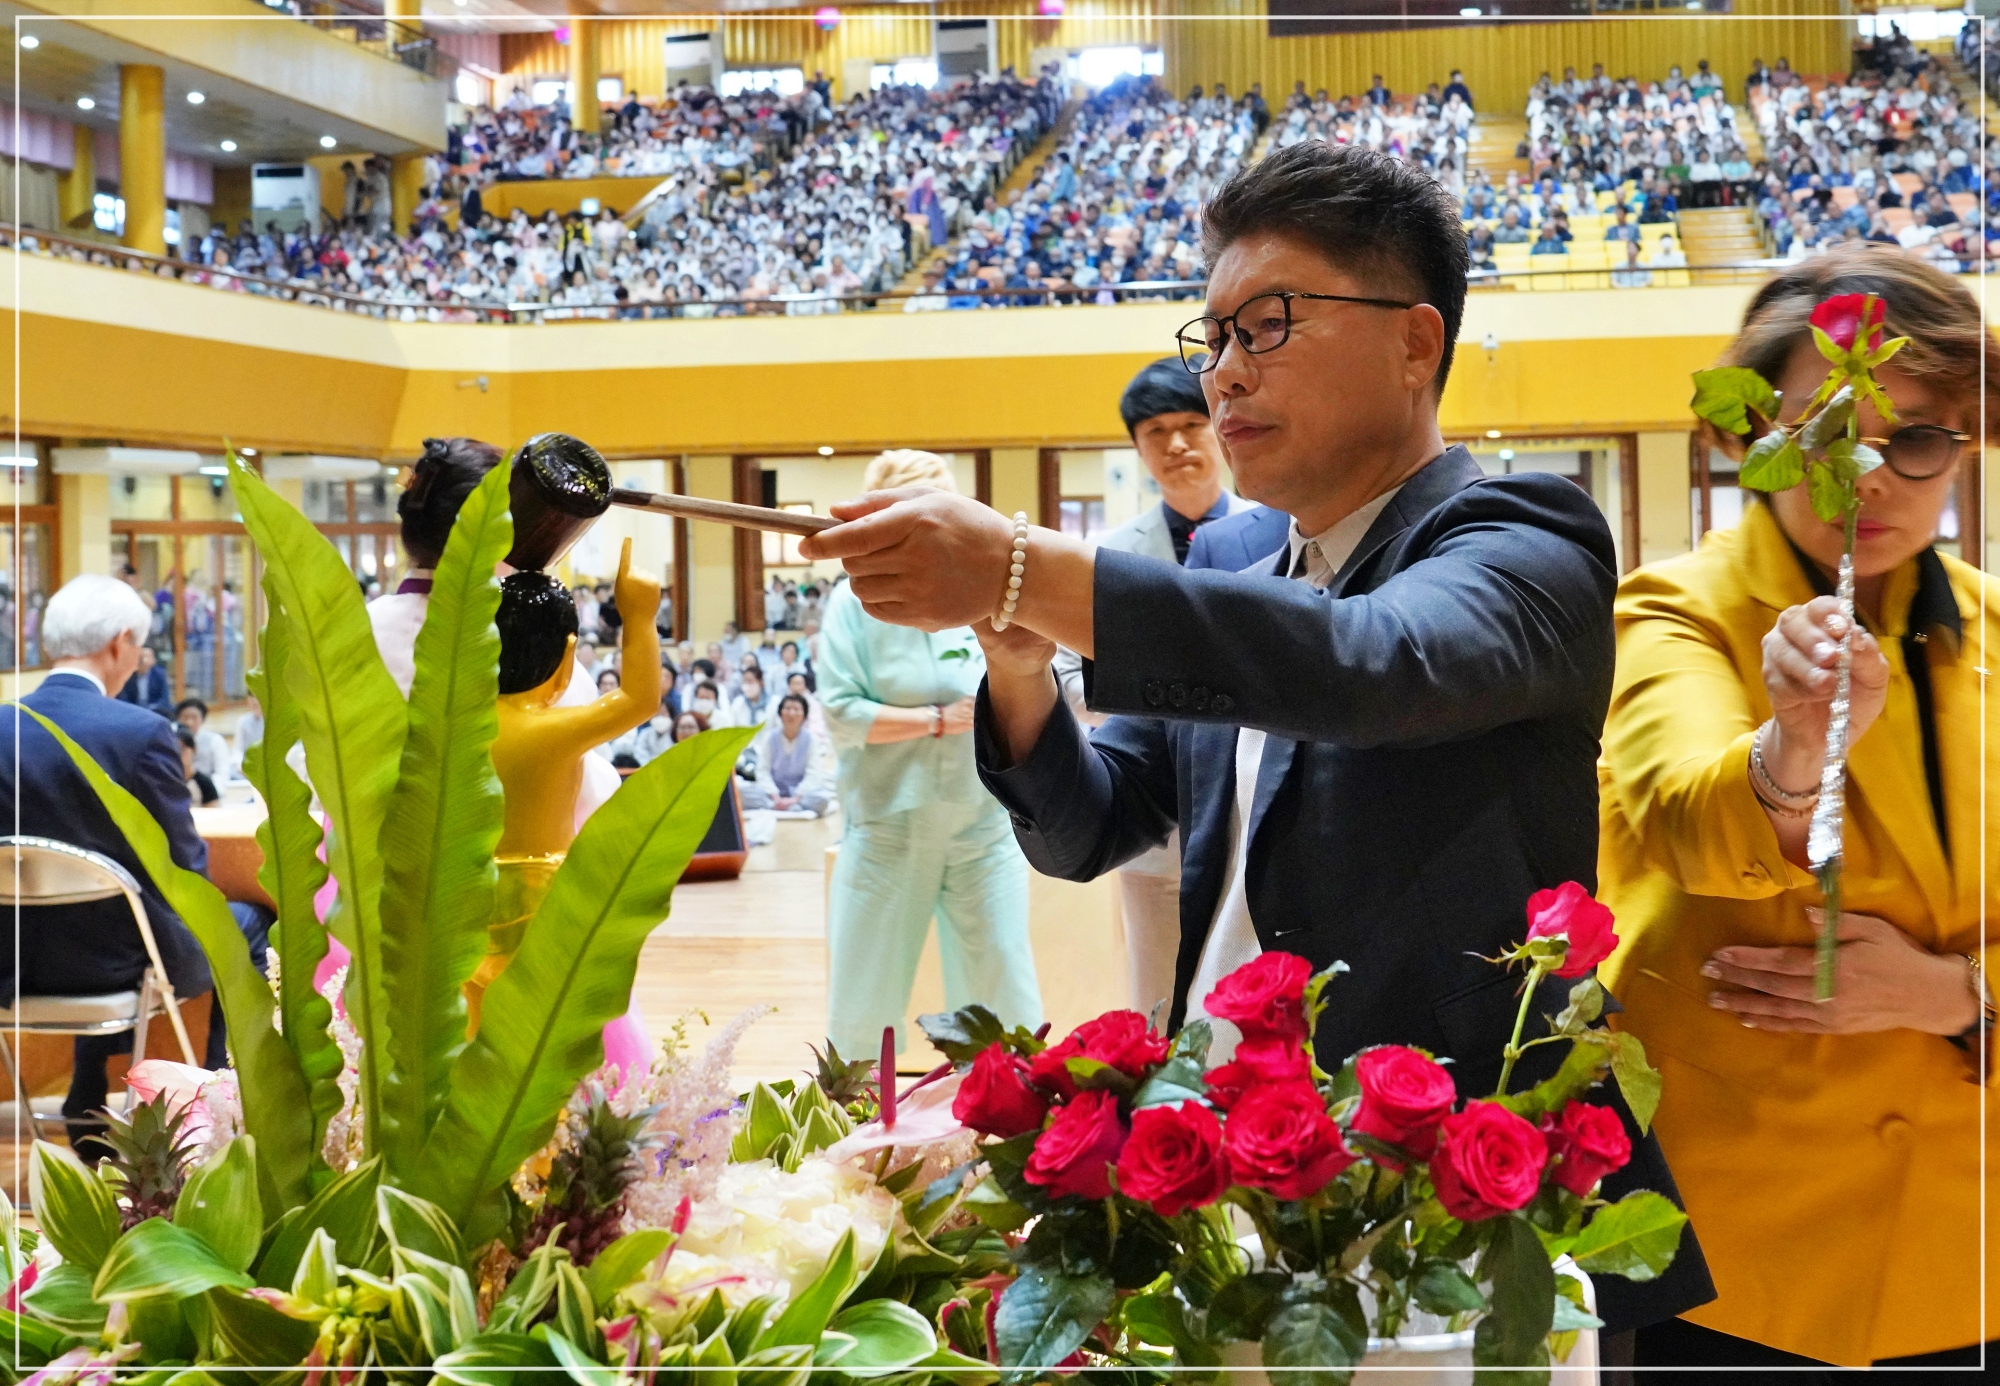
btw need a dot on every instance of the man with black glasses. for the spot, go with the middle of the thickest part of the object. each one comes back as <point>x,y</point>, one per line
<point>1379,747</point>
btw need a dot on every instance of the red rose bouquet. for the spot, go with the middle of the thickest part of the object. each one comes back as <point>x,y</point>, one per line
<point>1125,1173</point>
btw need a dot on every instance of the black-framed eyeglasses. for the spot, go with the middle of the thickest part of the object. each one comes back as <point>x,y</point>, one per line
<point>1261,324</point>
<point>1920,451</point>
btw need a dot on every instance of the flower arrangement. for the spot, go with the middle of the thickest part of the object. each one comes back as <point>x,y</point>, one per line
<point>1822,448</point>
<point>1161,1210</point>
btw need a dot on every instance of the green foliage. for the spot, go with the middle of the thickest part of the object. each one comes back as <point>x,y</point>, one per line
<point>806,1317</point>
<point>1514,1334</point>
<point>412,1224</point>
<point>1636,1237</point>
<point>1310,1342</point>
<point>624,1261</point>
<point>275,1108</point>
<point>1829,495</point>
<point>63,1298</point>
<point>353,722</point>
<point>292,874</point>
<point>344,1210</point>
<point>158,1258</point>
<point>1045,1316</point>
<point>1444,1289</point>
<point>78,1214</point>
<point>1638,1080</point>
<point>442,823</point>
<point>887,1337</point>
<point>1724,396</point>
<point>571,977</point>
<point>960,1035</point>
<point>221,1205</point>
<point>1772,463</point>
<point>842,1080</point>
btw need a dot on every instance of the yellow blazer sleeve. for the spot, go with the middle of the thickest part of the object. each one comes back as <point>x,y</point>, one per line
<point>1677,747</point>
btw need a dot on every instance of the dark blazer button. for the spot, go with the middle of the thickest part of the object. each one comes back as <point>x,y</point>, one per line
<point>1200,698</point>
<point>1155,693</point>
<point>1222,705</point>
<point>1177,695</point>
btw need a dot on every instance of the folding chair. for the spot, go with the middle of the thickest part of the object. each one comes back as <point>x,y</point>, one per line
<point>38,871</point>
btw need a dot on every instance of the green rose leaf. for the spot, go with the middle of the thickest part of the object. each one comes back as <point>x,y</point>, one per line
<point>1443,1289</point>
<point>989,1203</point>
<point>1852,460</point>
<point>1589,1055</point>
<point>1524,1298</point>
<point>1830,422</point>
<point>1159,1319</point>
<point>960,1035</point>
<point>1636,1237</point>
<point>1725,395</point>
<point>1045,1315</point>
<point>1310,1343</point>
<point>1773,463</point>
<point>1830,496</point>
<point>1638,1080</point>
<point>158,1258</point>
<point>1177,1080</point>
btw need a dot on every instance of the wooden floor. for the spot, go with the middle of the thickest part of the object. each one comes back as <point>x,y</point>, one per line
<point>761,940</point>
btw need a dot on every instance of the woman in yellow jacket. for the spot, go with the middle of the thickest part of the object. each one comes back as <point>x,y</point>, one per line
<point>1829,1154</point>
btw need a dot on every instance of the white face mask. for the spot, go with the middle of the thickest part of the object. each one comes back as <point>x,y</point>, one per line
<point>704,705</point>
<point>663,724</point>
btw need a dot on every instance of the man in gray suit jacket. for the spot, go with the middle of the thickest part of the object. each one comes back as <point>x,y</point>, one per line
<point>1166,416</point>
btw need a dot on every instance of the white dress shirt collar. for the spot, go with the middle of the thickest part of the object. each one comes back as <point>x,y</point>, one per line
<point>1336,544</point>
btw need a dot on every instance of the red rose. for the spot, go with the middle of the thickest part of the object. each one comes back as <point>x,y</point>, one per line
<point>1488,1162</point>
<point>1280,1139</point>
<point>1587,1142</point>
<point>1840,318</point>
<point>1075,1153</point>
<point>1569,912</point>
<point>1174,1159</point>
<point>1256,1063</point>
<point>1265,998</point>
<point>996,1097</point>
<point>1403,1098</point>
<point>1121,1039</point>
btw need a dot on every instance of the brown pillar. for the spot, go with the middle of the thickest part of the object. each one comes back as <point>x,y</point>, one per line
<point>748,478</point>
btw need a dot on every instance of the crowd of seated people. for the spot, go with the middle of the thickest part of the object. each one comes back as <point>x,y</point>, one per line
<point>1602,133</point>
<point>1118,202</point>
<point>819,207</point>
<point>1888,154</point>
<point>1430,128</point>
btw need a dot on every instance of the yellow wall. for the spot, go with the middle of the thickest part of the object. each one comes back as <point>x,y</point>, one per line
<point>84,517</point>
<point>1500,61</point>
<point>711,553</point>
<point>631,49</point>
<point>1665,513</point>
<point>1017,482</point>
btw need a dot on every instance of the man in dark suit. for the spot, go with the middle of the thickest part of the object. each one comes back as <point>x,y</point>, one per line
<point>149,687</point>
<point>93,631</point>
<point>1240,541</point>
<point>1378,748</point>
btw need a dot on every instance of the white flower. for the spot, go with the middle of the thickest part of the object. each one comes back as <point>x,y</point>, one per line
<point>766,1231</point>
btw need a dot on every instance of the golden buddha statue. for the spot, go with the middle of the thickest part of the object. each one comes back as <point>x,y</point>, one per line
<point>538,753</point>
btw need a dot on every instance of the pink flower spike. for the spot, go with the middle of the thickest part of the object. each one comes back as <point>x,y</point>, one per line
<point>885,1077</point>
<point>682,1213</point>
<point>926,1119</point>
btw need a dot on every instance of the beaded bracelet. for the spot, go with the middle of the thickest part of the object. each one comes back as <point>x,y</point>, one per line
<point>1017,565</point>
<point>1784,802</point>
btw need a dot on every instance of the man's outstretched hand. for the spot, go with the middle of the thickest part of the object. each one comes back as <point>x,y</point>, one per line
<point>918,556</point>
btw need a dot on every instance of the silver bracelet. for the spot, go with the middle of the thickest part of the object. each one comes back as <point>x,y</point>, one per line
<point>1781,801</point>
<point>1017,565</point>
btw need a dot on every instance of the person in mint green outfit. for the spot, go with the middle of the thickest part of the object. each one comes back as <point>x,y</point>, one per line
<point>923,839</point>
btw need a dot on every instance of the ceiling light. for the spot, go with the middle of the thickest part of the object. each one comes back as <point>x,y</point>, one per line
<point>327,141</point>
<point>1470,12</point>
<point>246,452</point>
<point>30,41</point>
<point>229,146</point>
<point>195,98</point>
<point>84,103</point>
<point>826,452</point>
<point>1493,433</point>
<point>213,471</point>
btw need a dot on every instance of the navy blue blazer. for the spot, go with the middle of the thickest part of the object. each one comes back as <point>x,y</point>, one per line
<point>150,688</point>
<point>1433,722</point>
<point>1238,541</point>
<point>82,949</point>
